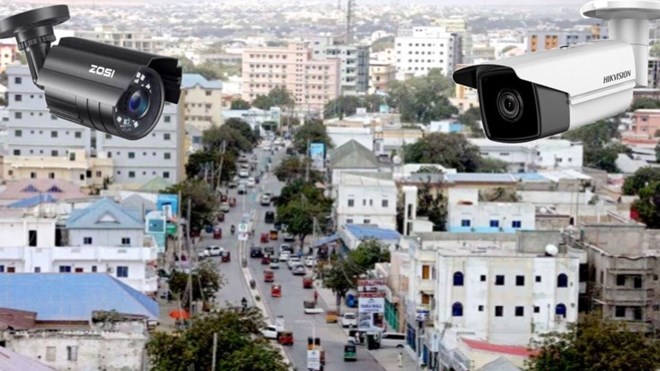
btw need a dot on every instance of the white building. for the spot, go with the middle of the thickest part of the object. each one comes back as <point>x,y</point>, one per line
<point>341,135</point>
<point>421,49</point>
<point>466,213</point>
<point>366,199</point>
<point>104,237</point>
<point>202,101</point>
<point>502,289</point>
<point>132,39</point>
<point>354,63</point>
<point>352,157</point>
<point>549,154</point>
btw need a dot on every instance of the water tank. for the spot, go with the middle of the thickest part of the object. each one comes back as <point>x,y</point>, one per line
<point>551,250</point>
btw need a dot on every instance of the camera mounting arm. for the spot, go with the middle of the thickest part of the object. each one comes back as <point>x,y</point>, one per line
<point>628,20</point>
<point>34,33</point>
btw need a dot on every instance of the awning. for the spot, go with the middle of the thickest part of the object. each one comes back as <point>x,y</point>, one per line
<point>327,239</point>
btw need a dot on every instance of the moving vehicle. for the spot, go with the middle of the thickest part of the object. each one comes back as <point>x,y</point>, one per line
<point>221,217</point>
<point>217,233</point>
<point>299,270</point>
<point>269,276</point>
<point>213,250</point>
<point>276,291</point>
<point>274,235</point>
<point>331,316</point>
<point>269,332</point>
<point>285,338</point>
<point>284,256</point>
<point>308,283</point>
<point>288,237</point>
<point>274,264</point>
<point>251,182</point>
<point>293,260</point>
<point>350,353</point>
<point>393,339</point>
<point>224,207</point>
<point>265,260</point>
<point>256,252</point>
<point>311,308</point>
<point>269,250</point>
<point>349,319</point>
<point>269,217</point>
<point>226,257</point>
<point>232,184</point>
<point>232,201</point>
<point>277,225</point>
<point>286,247</point>
<point>310,262</point>
<point>243,173</point>
<point>242,189</point>
<point>265,199</point>
<point>265,237</point>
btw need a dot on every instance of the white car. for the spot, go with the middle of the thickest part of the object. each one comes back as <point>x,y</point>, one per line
<point>349,320</point>
<point>299,270</point>
<point>293,261</point>
<point>265,199</point>
<point>251,183</point>
<point>214,250</point>
<point>243,173</point>
<point>288,237</point>
<point>269,332</point>
<point>224,207</point>
<point>274,264</point>
<point>286,247</point>
<point>284,256</point>
<point>310,262</point>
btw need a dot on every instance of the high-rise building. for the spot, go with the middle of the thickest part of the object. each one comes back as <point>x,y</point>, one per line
<point>545,40</point>
<point>312,82</point>
<point>421,49</point>
<point>202,101</point>
<point>138,40</point>
<point>354,63</point>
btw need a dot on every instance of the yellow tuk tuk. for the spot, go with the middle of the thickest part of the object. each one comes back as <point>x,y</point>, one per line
<point>331,316</point>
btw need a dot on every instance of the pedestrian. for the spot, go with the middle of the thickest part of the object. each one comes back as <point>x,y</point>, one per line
<point>400,359</point>
<point>357,337</point>
<point>316,297</point>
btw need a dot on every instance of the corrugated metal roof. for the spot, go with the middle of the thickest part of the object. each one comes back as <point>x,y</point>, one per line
<point>33,201</point>
<point>363,232</point>
<point>105,214</point>
<point>12,361</point>
<point>189,80</point>
<point>480,177</point>
<point>72,296</point>
<point>353,155</point>
<point>500,364</point>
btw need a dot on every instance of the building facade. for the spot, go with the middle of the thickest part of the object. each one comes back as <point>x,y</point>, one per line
<point>380,76</point>
<point>132,39</point>
<point>312,83</point>
<point>366,199</point>
<point>202,101</point>
<point>554,154</point>
<point>421,49</point>
<point>546,40</point>
<point>7,55</point>
<point>646,123</point>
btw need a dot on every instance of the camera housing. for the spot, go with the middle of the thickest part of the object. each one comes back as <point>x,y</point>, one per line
<point>107,88</point>
<point>540,94</point>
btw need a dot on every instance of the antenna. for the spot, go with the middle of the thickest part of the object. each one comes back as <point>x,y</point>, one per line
<point>349,21</point>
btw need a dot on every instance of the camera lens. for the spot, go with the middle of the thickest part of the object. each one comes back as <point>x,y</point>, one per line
<point>509,104</point>
<point>138,103</point>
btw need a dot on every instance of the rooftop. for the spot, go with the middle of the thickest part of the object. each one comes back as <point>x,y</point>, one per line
<point>72,296</point>
<point>105,214</point>
<point>365,232</point>
<point>480,178</point>
<point>364,179</point>
<point>12,361</point>
<point>518,351</point>
<point>27,188</point>
<point>353,155</point>
<point>190,80</point>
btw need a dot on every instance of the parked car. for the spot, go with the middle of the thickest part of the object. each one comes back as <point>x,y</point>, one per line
<point>269,250</point>
<point>299,270</point>
<point>242,189</point>
<point>274,264</point>
<point>232,184</point>
<point>265,199</point>
<point>269,332</point>
<point>310,262</point>
<point>349,319</point>
<point>214,250</point>
<point>284,256</point>
<point>286,247</point>
<point>393,339</point>
<point>269,217</point>
<point>224,207</point>
<point>251,182</point>
<point>292,261</point>
<point>288,237</point>
<point>256,252</point>
<point>243,173</point>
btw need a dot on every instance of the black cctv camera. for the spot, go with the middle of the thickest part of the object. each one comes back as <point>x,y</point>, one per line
<point>107,88</point>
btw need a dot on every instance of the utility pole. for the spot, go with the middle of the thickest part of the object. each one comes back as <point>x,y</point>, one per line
<point>190,255</point>
<point>215,349</point>
<point>222,161</point>
<point>309,159</point>
<point>349,21</point>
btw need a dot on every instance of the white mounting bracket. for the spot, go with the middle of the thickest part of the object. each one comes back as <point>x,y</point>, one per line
<point>628,20</point>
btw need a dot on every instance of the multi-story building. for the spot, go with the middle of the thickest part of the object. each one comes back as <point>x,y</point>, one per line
<point>654,72</point>
<point>312,82</point>
<point>380,76</point>
<point>354,63</point>
<point>555,154</point>
<point>132,39</point>
<point>623,273</point>
<point>202,101</point>
<point>366,199</point>
<point>646,123</point>
<point>7,55</point>
<point>499,289</point>
<point>105,237</point>
<point>421,49</point>
<point>545,40</point>
<point>159,154</point>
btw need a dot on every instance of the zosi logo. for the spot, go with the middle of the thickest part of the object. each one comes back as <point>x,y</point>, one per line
<point>102,71</point>
<point>616,76</point>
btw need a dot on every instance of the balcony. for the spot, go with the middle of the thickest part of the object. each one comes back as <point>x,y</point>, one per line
<point>620,296</point>
<point>425,285</point>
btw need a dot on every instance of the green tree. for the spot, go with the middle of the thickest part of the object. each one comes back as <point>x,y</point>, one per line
<point>278,96</point>
<point>657,152</point>
<point>449,150</point>
<point>203,201</point>
<point>234,140</point>
<point>240,345</point>
<point>471,118</point>
<point>203,163</point>
<point>313,131</point>
<point>645,103</point>
<point>383,43</point>
<point>239,104</point>
<point>262,102</point>
<point>642,177</point>
<point>244,128</point>
<point>648,205</point>
<point>432,207</point>
<point>345,105</point>
<point>654,51</point>
<point>300,212</point>
<point>295,167</point>
<point>594,344</point>
<point>296,188</point>
<point>423,99</point>
<point>206,281</point>
<point>599,149</point>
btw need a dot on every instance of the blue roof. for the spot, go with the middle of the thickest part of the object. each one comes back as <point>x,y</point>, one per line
<point>327,239</point>
<point>33,201</point>
<point>72,296</point>
<point>105,214</point>
<point>529,176</point>
<point>365,232</point>
<point>189,80</point>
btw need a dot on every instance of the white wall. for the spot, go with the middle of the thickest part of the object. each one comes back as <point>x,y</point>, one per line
<point>341,135</point>
<point>504,212</point>
<point>106,237</point>
<point>422,48</point>
<point>15,232</point>
<point>367,204</point>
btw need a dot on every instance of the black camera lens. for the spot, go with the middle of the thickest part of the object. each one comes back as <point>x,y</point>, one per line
<point>509,104</point>
<point>138,103</point>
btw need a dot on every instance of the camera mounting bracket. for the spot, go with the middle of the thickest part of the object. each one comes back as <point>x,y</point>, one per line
<point>34,33</point>
<point>628,20</point>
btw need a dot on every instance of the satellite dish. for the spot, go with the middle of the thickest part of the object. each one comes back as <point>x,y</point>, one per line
<point>543,210</point>
<point>396,160</point>
<point>551,250</point>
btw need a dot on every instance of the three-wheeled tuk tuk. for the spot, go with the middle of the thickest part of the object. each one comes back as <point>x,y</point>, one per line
<point>226,257</point>
<point>308,283</point>
<point>276,291</point>
<point>269,276</point>
<point>221,217</point>
<point>350,353</point>
<point>232,201</point>
<point>217,233</point>
<point>264,237</point>
<point>274,235</point>
<point>285,337</point>
<point>265,260</point>
<point>331,316</point>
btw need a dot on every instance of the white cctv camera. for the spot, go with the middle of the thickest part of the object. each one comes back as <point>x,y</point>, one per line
<point>540,94</point>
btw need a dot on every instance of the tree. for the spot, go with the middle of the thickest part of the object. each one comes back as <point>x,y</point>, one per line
<point>204,163</point>
<point>423,99</point>
<point>240,345</point>
<point>594,344</point>
<point>642,177</point>
<point>262,102</point>
<point>239,104</point>
<point>244,128</point>
<point>206,281</point>
<point>657,152</point>
<point>312,132</point>
<point>645,102</point>
<point>648,205</point>
<point>295,167</point>
<point>599,149</point>
<point>209,70</point>
<point>345,105</point>
<point>296,188</point>
<point>432,207</point>
<point>234,140</point>
<point>203,201</point>
<point>471,118</point>
<point>299,215</point>
<point>491,165</point>
<point>449,150</point>
<point>279,96</point>
<point>383,43</point>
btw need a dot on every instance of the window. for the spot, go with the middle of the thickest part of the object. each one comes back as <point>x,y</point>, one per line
<point>18,115</point>
<point>516,224</point>
<point>480,308</point>
<point>17,152</point>
<point>87,240</point>
<point>367,221</point>
<point>18,97</point>
<point>349,221</point>
<point>351,202</point>
<point>72,353</point>
<point>65,269</point>
<point>619,312</point>
<point>494,223</point>
<point>499,311</point>
<point>637,282</point>
<point>482,278</point>
<point>458,279</point>
<point>37,269</point>
<point>457,310</point>
<point>537,278</point>
<point>79,270</point>
<point>33,175</point>
<point>166,174</point>
<point>125,241</point>
<point>50,354</point>
<point>499,280</point>
<point>520,311</point>
<point>385,203</point>
<point>32,238</point>
<point>562,280</point>
<point>465,223</point>
<point>167,155</point>
<point>131,154</point>
<point>78,134</point>
<point>53,134</point>
<point>18,133</point>
<point>620,280</point>
<point>51,175</point>
<point>537,309</point>
<point>166,136</point>
<point>560,310</point>
<point>131,174</point>
<point>18,80</point>
<point>2,269</point>
<point>122,271</point>
<point>54,153</point>
<point>520,280</point>
<point>94,269</point>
